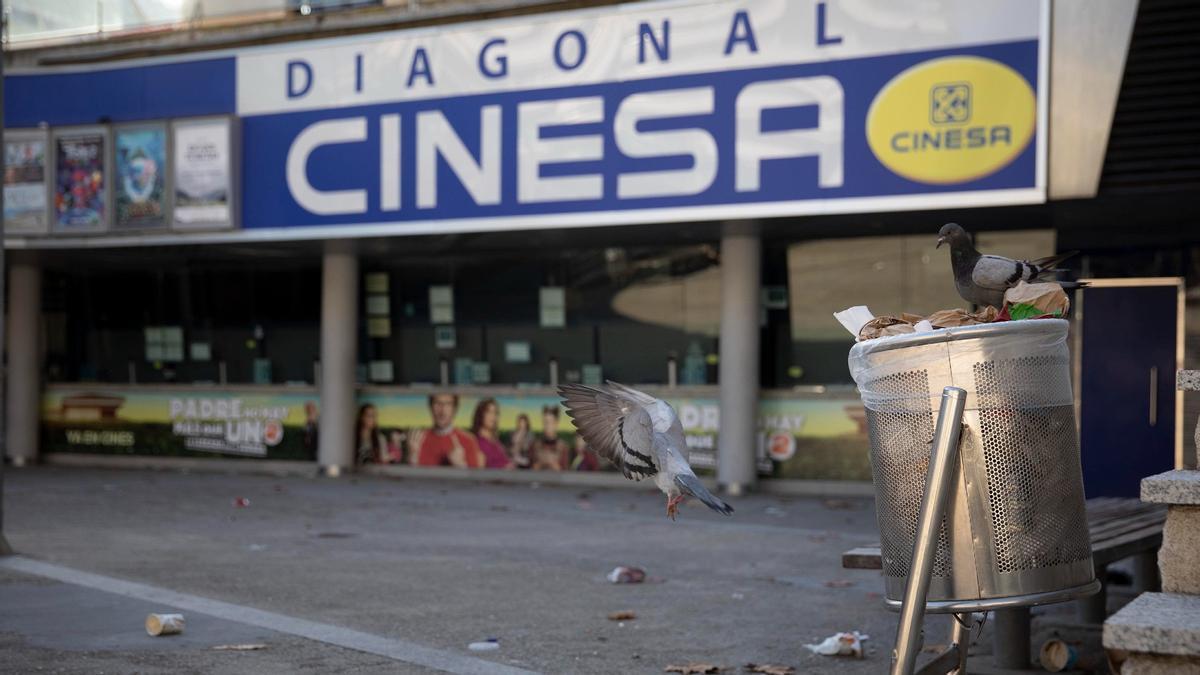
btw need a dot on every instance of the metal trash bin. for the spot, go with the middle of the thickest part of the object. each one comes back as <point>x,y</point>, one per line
<point>1015,531</point>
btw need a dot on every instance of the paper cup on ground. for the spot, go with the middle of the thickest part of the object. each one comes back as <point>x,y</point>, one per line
<point>1058,656</point>
<point>164,624</point>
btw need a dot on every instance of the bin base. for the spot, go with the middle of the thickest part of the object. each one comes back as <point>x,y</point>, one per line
<point>990,604</point>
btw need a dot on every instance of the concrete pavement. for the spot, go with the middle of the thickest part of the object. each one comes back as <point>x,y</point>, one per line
<point>437,565</point>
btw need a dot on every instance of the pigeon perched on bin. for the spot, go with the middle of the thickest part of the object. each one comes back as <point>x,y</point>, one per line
<point>983,279</point>
<point>639,434</point>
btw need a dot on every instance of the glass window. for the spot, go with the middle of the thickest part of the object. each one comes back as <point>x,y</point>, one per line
<point>890,275</point>
<point>249,322</point>
<point>618,312</point>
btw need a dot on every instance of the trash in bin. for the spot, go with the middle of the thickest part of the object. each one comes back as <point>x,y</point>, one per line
<point>842,644</point>
<point>1035,301</point>
<point>854,318</point>
<point>1023,301</point>
<point>950,318</point>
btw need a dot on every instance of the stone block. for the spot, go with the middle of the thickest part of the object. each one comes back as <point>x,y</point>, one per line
<point>1187,380</point>
<point>1181,486</point>
<point>1154,664</point>
<point>1156,623</point>
<point>1179,557</point>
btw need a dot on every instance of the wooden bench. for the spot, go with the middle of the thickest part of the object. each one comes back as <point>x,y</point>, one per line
<point>1119,529</point>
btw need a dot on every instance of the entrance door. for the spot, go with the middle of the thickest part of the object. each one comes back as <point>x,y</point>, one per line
<point>1130,342</point>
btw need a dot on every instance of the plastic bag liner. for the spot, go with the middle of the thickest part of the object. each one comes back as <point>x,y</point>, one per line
<point>1030,358</point>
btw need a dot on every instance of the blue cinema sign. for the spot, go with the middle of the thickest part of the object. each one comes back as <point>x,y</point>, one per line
<point>662,110</point>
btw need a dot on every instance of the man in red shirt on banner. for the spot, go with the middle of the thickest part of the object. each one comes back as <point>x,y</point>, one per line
<point>443,445</point>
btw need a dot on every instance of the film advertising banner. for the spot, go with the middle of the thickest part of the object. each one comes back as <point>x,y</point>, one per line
<point>798,437</point>
<point>81,183</point>
<point>191,423</point>
<point>140,185</point>
<point>203,174</point>
<point>816,438</point>
<point>25,208</point>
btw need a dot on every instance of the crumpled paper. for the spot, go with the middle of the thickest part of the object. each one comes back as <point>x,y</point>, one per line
<point>1031,301</point>
<point>883,326</point>
<point>950,318</point>
<point>842,644</point>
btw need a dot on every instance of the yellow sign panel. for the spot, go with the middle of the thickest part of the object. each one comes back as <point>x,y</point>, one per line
<point>952,120</point>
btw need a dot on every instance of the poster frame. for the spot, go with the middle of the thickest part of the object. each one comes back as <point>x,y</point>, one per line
<point>168,167</point>
<point>232,168</point>
<point>35,134</point>
<point>56,135</point>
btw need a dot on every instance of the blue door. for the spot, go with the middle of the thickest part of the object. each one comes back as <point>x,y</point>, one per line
<point>1127,384</point>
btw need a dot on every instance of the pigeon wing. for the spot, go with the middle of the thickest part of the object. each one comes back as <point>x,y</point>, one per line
<point>630,393</point>
<point>997,273</point>
<point>617,426</point>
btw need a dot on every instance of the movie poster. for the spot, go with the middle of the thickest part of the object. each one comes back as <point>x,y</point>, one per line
<point>79,187</point>
<point>192,423</point>
<point>25,184</point>
<point>141,177</point>
<point>203,174</point>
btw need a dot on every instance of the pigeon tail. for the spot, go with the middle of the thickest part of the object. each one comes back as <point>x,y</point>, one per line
<point>1050,263</point>
<point>691,485</point>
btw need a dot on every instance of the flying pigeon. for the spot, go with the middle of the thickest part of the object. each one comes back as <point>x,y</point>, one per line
<point>982,279</point>
<point>641,435</point>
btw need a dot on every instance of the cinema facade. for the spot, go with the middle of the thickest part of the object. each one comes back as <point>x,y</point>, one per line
<point>261,247</point>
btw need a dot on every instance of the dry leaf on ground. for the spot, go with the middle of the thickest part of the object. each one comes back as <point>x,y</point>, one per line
<point>693,668</point>
<point>769,669</point>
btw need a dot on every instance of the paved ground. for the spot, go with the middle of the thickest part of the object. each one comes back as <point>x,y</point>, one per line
<point>429,563</point>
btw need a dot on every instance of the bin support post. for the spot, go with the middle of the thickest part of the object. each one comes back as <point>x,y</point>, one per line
<point>953,661</point>
<point>942,459</point>
<point>1010,642</point>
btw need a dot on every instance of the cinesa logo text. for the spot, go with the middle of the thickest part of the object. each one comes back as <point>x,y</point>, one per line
<point>952,120</point>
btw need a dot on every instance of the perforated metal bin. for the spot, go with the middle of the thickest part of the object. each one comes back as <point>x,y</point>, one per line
<point>1015,532</point>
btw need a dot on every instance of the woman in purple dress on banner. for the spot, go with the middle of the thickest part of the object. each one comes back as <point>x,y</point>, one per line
<point>485,425</point>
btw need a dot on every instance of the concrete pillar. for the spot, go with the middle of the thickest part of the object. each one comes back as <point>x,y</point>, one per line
<point>339,358</point>
<point>23,398</point>
<point>741,272</point>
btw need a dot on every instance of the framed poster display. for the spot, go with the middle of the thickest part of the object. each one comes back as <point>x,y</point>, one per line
<point>26,182</point>
<point>81,195</point>
<point>203,173</point>
<point>140,176</point>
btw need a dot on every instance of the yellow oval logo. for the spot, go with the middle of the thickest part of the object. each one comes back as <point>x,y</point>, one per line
<point>952,120</point>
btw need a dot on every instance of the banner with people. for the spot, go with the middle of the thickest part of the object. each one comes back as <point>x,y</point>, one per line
<point>812,436</point>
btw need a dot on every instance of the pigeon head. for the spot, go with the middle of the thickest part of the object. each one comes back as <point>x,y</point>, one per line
<point>952,233</point>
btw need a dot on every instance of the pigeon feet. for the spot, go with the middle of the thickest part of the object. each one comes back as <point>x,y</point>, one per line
<point>673,506</point>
